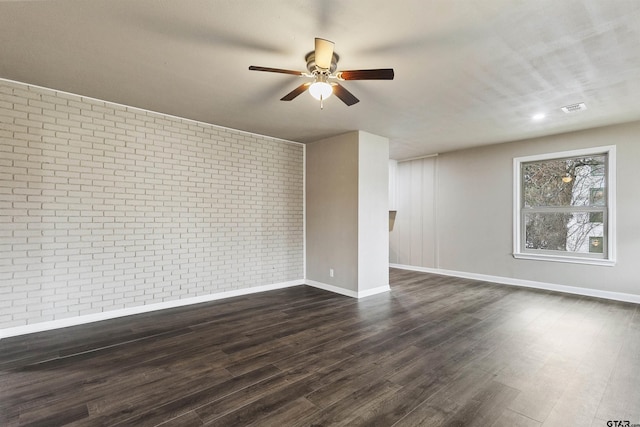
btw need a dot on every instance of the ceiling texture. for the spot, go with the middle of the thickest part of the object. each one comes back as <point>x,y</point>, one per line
<point>467,72</point>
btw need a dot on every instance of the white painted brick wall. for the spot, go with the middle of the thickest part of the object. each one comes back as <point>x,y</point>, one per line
<point>105,207</point>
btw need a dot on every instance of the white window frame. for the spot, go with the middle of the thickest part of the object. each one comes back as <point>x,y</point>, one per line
<point>518,250</point>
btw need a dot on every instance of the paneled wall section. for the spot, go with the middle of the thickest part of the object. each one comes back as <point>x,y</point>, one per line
<point>105,207</point>
<point>412,240</point>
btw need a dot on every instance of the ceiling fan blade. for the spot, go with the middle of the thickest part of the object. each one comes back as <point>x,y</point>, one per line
<point>324,53</point>
<point>378,74</point>
<point>294,93</point>
<point>276,70</point>
<point>344,95</point>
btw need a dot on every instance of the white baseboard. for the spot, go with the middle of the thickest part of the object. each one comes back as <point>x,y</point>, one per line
<point>96,317</point>
<point>348,292</point>
<point>79,320</point>
<point>374,291</point>
<point>617,296</point>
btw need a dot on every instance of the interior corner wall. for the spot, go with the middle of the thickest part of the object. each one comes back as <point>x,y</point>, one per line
<point>474,207</point>
<point>332,211</point>
<point>106,207</point>
<point>373,211</point>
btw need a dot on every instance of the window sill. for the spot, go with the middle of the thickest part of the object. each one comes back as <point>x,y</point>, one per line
<point>568,259</point>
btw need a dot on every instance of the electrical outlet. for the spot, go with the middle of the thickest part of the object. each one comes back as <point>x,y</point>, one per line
<point>331,272</point>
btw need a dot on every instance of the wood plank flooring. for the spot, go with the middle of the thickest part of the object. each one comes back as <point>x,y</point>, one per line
<point>435,351</point>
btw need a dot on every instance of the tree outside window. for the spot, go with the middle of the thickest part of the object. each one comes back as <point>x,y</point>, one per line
<point>563,206</point>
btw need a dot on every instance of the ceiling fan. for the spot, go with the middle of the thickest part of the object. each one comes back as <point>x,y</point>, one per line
<point>321,66</point>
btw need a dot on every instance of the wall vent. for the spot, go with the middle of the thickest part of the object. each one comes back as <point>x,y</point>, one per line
<point>574,108</point>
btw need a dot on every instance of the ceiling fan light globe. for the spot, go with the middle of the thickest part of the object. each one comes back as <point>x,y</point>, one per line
<point>320,90</point>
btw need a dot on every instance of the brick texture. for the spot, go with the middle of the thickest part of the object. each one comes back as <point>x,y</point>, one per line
<point>104,207</point>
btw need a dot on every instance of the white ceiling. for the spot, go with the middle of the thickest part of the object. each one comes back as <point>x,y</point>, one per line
<point>467,72</point>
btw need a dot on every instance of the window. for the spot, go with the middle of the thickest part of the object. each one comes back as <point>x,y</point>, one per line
<point>565,206</point>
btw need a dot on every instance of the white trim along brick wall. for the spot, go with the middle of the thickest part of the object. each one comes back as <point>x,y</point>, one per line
<point>107,207</point>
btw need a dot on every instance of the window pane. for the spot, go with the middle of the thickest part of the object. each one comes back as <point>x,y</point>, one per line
<point>567,232</point>
<point>576,181</point>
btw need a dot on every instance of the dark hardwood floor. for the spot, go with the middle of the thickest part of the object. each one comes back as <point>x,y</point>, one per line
<point>434,351</point>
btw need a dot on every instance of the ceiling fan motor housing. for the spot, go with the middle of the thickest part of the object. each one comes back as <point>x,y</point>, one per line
<point>314,69</point>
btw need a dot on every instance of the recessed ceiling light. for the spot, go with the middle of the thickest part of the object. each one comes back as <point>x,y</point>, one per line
<point>537,117</point>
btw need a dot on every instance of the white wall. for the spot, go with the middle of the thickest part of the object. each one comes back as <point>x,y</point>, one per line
<point>413,237</point>
<point>373,211</point>
<point>347,213</point>
<point>105,207</point>
<point>474,213</point>
<point>332,211</point>
<point>393,185</point>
